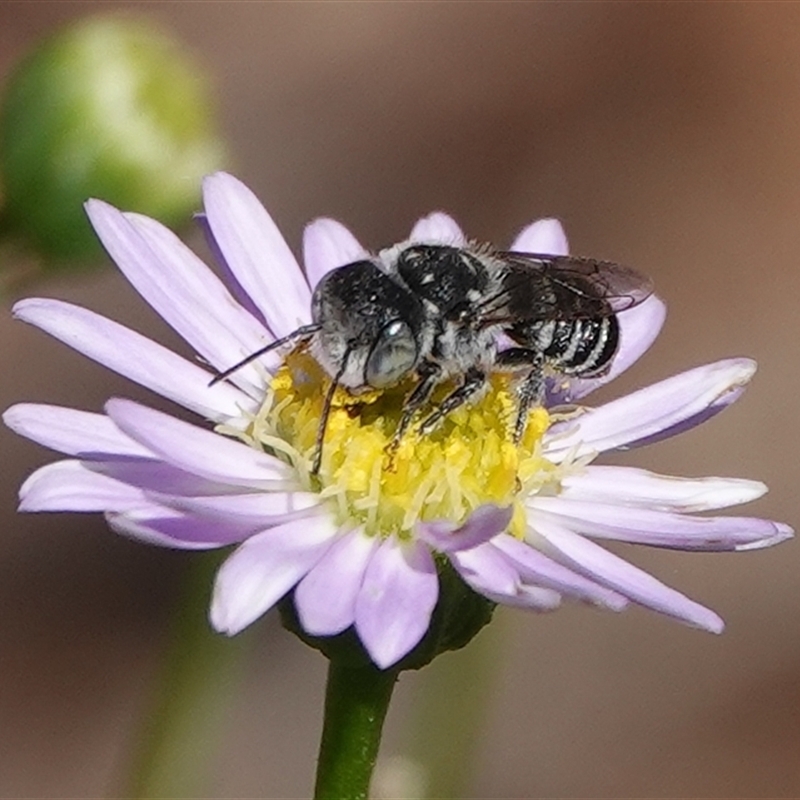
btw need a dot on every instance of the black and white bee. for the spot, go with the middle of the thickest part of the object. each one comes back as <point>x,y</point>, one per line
<point>436,312</point>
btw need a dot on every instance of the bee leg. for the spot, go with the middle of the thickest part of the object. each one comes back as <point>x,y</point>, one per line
<point>530,391</point>
<point>531,395</point>
<point>429,375</point>
<point>474,381</point>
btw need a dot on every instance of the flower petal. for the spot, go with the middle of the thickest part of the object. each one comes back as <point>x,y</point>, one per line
<point>628,486</point>
<point>485,522</point>
<point>326,598</point>
<point>487,571</point>
<point>155,476</point>
<point>397,598</point>
<point>263,569</point>
<point>531,598</point>
<point>535,567</point>
<point>242,298</point>
<point>263,509</point>
<point>166,527</point>
<point>257,253</point>
<point>231,328</point>
<point>657,528</point>
<point>201,452</point>
<point>136,357</point>
<point>782,533</point>
<point>682,425</point>
<point>182,289</point>
<point>438,228</point>
<point>70,486</point>
<point>120,485</point>
<point>327,244</point>
<point>545,236</point>
<point>70,431</point>
<point>684,399</point>
<point>638,329</point>
<point>600,565</point>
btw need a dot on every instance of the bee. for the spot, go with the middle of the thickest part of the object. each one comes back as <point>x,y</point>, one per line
<point>436,312</point>
<point>561,312</point>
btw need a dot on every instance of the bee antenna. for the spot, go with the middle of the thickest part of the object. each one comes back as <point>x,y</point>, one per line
<point>326,412</point>
<point>305,332</point>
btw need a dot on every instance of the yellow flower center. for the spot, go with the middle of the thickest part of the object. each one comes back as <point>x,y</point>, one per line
<point>469,460</point>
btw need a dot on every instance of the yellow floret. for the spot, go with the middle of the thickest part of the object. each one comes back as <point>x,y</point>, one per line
<point>469,460</point>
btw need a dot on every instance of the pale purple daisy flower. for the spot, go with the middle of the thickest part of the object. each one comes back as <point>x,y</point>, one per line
<point>359,545</point>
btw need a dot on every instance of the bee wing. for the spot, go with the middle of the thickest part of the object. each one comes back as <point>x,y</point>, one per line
<point>573,287</point>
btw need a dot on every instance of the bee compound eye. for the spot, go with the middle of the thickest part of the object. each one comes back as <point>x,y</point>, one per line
<point>393,355</point>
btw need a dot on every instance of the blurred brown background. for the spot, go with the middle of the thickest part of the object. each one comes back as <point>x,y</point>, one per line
<point>666,136</point>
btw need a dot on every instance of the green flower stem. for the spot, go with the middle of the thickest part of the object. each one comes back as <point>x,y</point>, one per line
<point>356,701</point>
<point>201,673</point>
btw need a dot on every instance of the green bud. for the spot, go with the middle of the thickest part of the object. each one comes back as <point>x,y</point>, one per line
<point>459,615</point>
<point>110,108</point>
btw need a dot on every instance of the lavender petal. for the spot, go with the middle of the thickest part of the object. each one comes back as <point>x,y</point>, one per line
<point>545,236</point>
<point>181,288</point>
<point>188,447</point>
<point>530,598</point>
<point>228,276</point>
<point>327,244</point>
<point>438,228</point>
<point>486,570</point>
<point>244,332</point>
<point>165,527</point>
<point>485,522</point>
<point>262,509</point>
<point>73,432</point>
<point>257,253</point>
<point>598,564</point>
<point>136,357</point>
<point>70,486</point>
<point>639,488</point>
<point>326,597</point>
<point>264,568</point>
<point>678,400</point>
<point>397,598</point>
<point>157,477</point>
<point>693,421</point>
<point>537,568</point>
<point>656,528</point>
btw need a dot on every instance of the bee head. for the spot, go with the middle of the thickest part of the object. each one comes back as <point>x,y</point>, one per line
<point>370,326</point>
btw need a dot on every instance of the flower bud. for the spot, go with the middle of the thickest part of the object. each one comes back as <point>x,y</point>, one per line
<point>112,108</point>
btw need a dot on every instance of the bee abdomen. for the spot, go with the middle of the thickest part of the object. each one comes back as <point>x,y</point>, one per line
<point>576,347</point>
